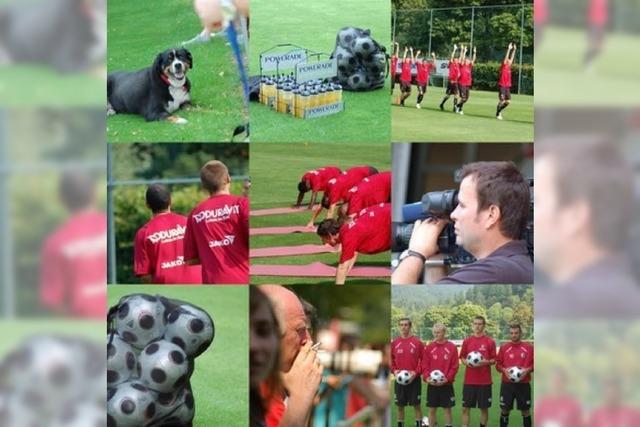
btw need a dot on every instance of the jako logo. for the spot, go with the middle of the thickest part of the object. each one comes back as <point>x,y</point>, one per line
<point>228,240</point>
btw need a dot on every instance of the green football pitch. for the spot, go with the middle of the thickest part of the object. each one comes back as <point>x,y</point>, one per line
<point>138,31</point>
<point>314,25</point>
<point>275,172</point>
<point>220,378</point>
<point>515,419</point>
<point>479,123</point>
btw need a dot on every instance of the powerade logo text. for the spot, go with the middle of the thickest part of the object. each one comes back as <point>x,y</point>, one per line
<point>219,214</point>
<point>165,235</point>
<point>227,241</point>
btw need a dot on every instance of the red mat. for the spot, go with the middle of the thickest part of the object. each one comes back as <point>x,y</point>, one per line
<point>281,230</point>
<point>291,250</point>
<point>316,269</point>
<point>278,211</point>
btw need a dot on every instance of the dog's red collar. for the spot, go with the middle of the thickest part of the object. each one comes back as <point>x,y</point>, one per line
<point>166,80</point>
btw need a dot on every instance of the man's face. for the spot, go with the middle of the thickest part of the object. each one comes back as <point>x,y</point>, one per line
<point>469,223</point>
<point>478,326</point>
<point>295,336</point>
<point>332,239</point>
<point>405,327</point>
<point>515,334</point>
<point>438,334</point>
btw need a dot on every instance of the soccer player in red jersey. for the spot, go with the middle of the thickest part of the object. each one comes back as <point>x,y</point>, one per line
<point>515,354</point>
<point>466,78</point>
<point>368,233</point>
<point>370,191</point>
<point>217,234</point>
<point>73,272</point>
<point>158,252</point>
<point>540,19</point>
<point>316,181</point>
<point>441,354</point>
<point>454,75</point>
<point>558,408</point>
<point>504,82</point>
<point>337,188</point>
<point>476,391</point>
<point>405,76</point>
<point>614,412</point>
<point>424,69</point>
<point>394,65</point>
<point>597,18</point>
<point>406,354</point>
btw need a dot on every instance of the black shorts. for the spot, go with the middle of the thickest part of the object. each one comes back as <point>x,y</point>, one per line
<point>520,392</point>
<point>405,87</point>
<point>408,395</point>
<point>440,396</point>
<point>422,88</point>
<point>452,88</point>
<point>476,396</point>
<point>464,92</point>
<point>505,93</point>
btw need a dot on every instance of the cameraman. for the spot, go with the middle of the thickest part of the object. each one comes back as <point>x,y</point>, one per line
<point>492,211</point>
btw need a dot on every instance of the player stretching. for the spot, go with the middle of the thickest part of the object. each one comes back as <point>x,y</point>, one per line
<point>515,354</point>
<point>406,354</point>
<point>405,76</point>
<point>504,83</point>
<point>424,68</point>
<point>394,66</point>
<point>466,77</point>
<point>454,75</point>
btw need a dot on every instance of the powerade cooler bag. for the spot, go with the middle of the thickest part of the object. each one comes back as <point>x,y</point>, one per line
<point>362,62</point>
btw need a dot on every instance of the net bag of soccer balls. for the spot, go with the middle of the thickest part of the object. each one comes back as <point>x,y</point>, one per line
<point>361,60</point>
<point>152,343</point>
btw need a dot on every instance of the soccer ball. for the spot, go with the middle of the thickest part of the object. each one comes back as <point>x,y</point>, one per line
<point>164,366</point>
<point>345,59</point>
<point>121,361</point>
<point>182,409</point>
<point>131,404</point>
<point>346,36</point>
<point>359,81</point>
<point>438,377</point>
<point>403,377</point>
<point>474,358</point>
<point>363,47</point>
<point>140,320</point>
<point>190,328</point>
<point>515,374</point>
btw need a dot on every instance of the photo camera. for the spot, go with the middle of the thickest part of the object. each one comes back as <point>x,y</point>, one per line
<point>357,362</point>
<point>440,204</point>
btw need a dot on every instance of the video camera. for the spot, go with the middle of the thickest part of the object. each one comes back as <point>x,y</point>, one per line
<point>440,204</point>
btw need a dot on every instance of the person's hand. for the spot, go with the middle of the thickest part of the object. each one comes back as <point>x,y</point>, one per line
<point>305,374</point>
<point>455,46</point>
<point>424,238</point>
<point>474,49</point>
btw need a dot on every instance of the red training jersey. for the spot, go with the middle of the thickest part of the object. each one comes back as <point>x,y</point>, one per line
<point>319,177</point>
<point>368,233</point>
<point>394,65</point>
<point>505,76</point>
<point>540,11</point>
<point>406,72</point>
<point>370,191</point>
<point>424,70</point>
<point>406,354</point>
<point>338,187</point>
<point>519,355</point>
<point>454,71</point>
<point>218,234</point>
<point>159,251</point>
<point>598,13</point>
<point>275,406</point>
<point>621,416</point>
<point>487,347</point>
<point>466,78</point>
<point>73,274</point>
<point>558,411</point>
<point>442,357</point>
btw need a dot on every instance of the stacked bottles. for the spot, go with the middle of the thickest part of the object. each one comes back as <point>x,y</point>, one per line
<point>283,94</point>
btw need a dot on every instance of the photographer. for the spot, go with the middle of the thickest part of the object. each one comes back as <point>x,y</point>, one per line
<point>492,211</point>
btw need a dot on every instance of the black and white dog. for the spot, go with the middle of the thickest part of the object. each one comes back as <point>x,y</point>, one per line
<point>154,92</point>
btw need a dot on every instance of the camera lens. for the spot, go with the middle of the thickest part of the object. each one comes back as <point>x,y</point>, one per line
<point>400,236</point>
<point>440,203</point>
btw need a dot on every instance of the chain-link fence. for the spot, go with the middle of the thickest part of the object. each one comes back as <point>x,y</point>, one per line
<point>488,28</point>
<point>624,15</point>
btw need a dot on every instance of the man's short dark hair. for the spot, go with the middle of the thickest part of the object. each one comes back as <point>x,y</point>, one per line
<point>405,319</point>
<point>158,197</point>
<point>77,189</point>
<point>501,184</point>
<point>214,175</point>
<point>484,321</point>
<point>516,326</point>
<point>325,201</point>
<point>303,187</point>
<point>329,227</point>
<point>372,170</point>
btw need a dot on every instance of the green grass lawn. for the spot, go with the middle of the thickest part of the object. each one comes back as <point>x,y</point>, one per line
<point>275,172</point>
<point>515,420</point>
<point>221,376</point>
<point>138,31</point>
<point>314,25</point>
<point>561,79</point>
<point>479,124</point>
